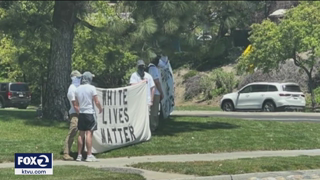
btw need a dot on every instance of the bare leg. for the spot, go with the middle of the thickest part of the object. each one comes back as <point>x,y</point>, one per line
<point>89,142</point>
<point>80,141</point>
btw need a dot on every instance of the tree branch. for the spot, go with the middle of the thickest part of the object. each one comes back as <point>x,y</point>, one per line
<point>298,62</point>
<point>193,28</point>
<point>86,24</point>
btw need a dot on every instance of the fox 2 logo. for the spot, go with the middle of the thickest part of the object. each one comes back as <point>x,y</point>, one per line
<point>33,160</point>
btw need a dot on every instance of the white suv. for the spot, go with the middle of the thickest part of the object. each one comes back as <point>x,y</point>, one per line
<point>265,96</point>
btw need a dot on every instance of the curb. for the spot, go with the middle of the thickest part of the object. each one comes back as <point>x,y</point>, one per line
<point>261,175</point>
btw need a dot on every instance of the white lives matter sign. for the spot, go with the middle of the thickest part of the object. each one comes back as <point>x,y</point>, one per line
<point>124,120</point>
<point>167,85</point>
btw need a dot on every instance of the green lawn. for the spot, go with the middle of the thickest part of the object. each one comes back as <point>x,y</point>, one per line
<point>22,132</point>
<point>71,172</point>
<point>239,166</point>
<point>197,108</point>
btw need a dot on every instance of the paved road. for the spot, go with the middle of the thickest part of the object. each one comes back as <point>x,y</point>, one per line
<point>274,116</point>
<point>281,175</point>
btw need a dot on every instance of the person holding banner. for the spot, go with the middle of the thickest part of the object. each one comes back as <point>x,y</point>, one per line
<point>158,95</point>
<point>86,94</point>
<point>141,76</point>
<point>73,129</point>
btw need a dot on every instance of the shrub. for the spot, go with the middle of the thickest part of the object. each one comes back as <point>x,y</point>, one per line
<point>218,82</point>
<point>193,87</point>
<point>207,84</point>
<point>190,74</point>
<point>316,92</point>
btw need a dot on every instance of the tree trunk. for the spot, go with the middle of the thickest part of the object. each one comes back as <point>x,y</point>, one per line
<point>59,66</point>
<point>310,86</point>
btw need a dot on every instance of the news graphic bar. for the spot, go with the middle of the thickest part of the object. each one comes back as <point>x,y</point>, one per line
<point>33,164</point>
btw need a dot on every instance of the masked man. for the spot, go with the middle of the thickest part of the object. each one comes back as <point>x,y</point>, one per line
<point>141,76</point>
<point>86,97</point>
<point>76,78</point>
<point>158,95</point>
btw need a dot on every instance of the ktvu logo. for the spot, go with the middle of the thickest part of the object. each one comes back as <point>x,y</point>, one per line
<point>33,160</point>
<point>33,163</point>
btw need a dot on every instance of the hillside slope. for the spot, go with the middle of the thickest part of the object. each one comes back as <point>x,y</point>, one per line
<point>287,72</point>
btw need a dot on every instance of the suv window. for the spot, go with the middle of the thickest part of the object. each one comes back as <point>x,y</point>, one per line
<point>259,88</point>
<point>272,88</point>
<point>3,87</point>
<point>246,89</point>
<point>19,87</point>
<point>291,88</point>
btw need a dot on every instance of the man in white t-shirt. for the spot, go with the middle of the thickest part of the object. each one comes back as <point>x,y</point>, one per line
<point>86,94</point>
<point>141,76</point>
<point>158,95</point>
<point>73,129</point>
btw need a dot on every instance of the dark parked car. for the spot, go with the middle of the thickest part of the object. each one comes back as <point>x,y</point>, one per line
<point>15,94</point>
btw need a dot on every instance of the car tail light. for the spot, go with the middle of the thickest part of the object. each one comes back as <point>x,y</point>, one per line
<point>284,94</point>
<point>9,95</point>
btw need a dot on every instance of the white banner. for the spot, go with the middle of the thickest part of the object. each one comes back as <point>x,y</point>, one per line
<point>124,120</point>
<point>167,85</point>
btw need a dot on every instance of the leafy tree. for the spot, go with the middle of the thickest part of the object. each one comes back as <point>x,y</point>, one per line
<point>25,29</point>
<point>296,37</point>
<point>43,40</point>
<point>98,50</point>
<point>31,29</point>
<point>9,69</point>
<point>34,26</point>
<point>65,17</point>
<point>172,28</point>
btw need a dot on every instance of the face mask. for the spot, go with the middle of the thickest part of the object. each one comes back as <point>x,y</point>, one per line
<point>141,71</point>
<point>76,81</point>
<point>161,64</point>
<point>164,59</point>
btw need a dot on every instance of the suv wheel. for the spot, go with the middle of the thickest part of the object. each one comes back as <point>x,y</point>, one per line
<point>227,106</point>
<point>269,107</point>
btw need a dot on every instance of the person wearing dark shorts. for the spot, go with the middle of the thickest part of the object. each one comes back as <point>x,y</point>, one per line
<point>86,94</point>
<point>87,122</point>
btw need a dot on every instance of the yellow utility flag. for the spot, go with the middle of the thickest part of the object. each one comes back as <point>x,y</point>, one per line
<point>248,50</point>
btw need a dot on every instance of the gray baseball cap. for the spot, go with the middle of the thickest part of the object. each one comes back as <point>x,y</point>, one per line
<point>87,77</point>
<point>75,73</point>
<point>140,63</point>
<point>88,74</point>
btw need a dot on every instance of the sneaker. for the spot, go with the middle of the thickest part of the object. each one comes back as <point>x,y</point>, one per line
<point>79,158</point>
<point>91,158</point>
<point>67,157</point>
